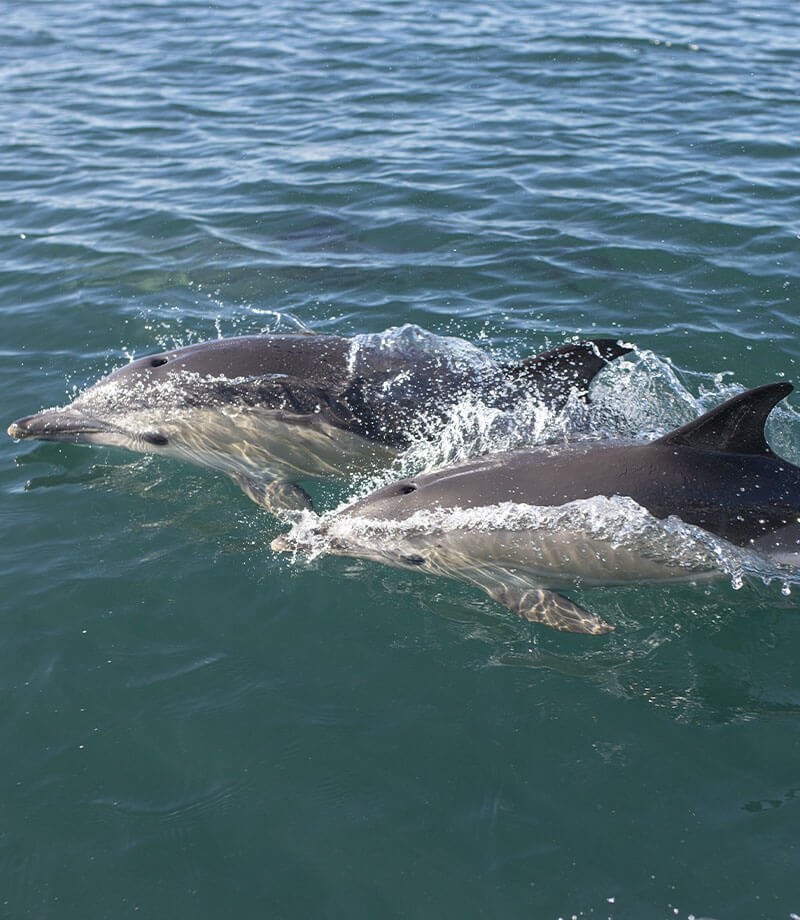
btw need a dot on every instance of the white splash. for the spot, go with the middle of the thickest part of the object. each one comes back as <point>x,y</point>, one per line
<point>600,540</point>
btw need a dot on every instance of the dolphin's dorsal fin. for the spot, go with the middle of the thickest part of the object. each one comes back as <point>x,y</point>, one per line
<point>554,373</point>
<point>735,427</point>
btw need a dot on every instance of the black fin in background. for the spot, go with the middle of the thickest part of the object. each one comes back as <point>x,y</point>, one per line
<point>554,373</point>
<point>735,427</point>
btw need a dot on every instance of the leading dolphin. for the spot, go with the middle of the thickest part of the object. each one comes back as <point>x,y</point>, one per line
<point>522,522</point>
<point>271,409</point>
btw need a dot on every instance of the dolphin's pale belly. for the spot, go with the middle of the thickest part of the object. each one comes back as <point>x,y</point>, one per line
<point>256,442</point>
<point>558,560</point>
<point>604,541</point>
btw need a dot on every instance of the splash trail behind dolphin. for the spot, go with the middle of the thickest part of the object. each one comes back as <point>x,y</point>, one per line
<point>520,523</point>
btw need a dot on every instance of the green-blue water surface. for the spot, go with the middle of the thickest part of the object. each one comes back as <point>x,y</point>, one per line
<point>193,727</point>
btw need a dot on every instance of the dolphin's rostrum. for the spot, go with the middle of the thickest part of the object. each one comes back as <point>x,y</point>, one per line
<point>271,409</point>
<point>520,523</point>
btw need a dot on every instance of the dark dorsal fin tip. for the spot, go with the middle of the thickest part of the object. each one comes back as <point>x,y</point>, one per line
<point>573,365</point>
<point>611,348</point>
<point>734,427</point>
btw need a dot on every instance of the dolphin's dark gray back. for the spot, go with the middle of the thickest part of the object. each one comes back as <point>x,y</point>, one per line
<point>320,359</point>
<point>400,400</point>
<point>717,472</point>
<point>388,395</point>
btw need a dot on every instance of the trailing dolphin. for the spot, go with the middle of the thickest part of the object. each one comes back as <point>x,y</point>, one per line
<point>271,409</point>
<point>520,523</point>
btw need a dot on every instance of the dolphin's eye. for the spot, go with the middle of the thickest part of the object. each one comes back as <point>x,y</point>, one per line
<point>414,559</point>
<point>157,362</point>
<point>407,488</point>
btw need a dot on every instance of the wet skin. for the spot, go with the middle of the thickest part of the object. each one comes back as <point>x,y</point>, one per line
<point>717,473</point>
<point>270,409</point>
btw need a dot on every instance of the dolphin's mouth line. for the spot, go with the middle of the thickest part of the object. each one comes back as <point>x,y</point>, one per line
<point>20,434</point>
<point>64,428</point>
<point>90,431</point>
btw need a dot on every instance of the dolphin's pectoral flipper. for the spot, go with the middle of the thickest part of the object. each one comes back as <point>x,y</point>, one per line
<point>541,606</point>
<point>277,496</point>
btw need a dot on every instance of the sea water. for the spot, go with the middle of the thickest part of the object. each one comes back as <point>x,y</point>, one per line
<point>194,726</point>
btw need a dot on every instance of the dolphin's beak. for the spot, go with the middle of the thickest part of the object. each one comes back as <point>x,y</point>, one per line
<point>299,540</point>
<point>56,425</point>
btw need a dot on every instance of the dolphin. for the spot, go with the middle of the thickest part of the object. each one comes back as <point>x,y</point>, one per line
<point>520,523</point>
<point>271,409</point>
